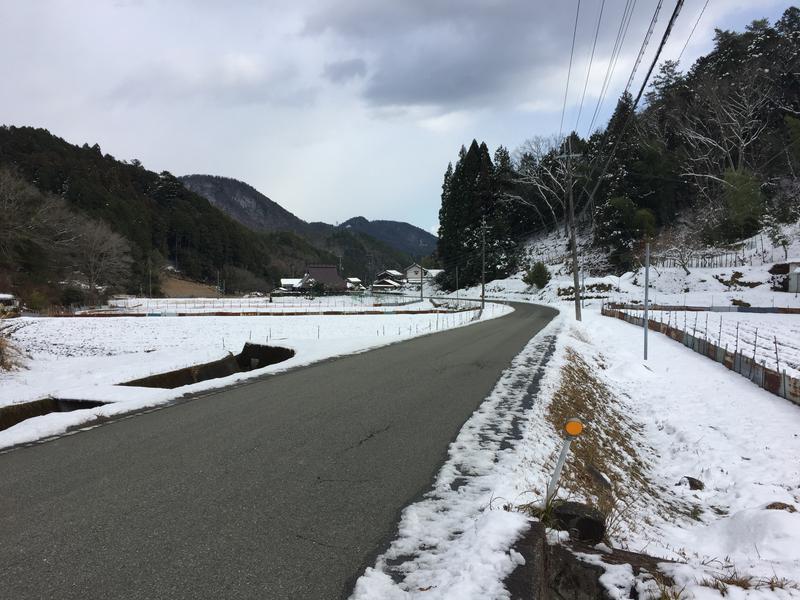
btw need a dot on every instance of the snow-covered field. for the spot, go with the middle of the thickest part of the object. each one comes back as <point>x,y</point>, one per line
<point>263,305</point>
<point>84,357</point>
<point>773,339</point>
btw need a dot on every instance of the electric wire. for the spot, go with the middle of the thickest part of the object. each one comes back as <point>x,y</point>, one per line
<point>591,61</point>
<point>645,42</point>
<point>569,70</point>
<point>622,31</point>
<point>691,33</point>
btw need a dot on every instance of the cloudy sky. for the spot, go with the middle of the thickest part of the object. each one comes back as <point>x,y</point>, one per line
<point>331,108</point>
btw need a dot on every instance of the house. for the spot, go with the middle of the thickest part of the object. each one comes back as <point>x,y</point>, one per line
<point>324,275</point>
<point>289,283</point>
<point>794,280</point>
<point>415,272</point>
<point>354,284</point>
<point>387,285</point>
<point>8,303</point>
<point>392,275</point>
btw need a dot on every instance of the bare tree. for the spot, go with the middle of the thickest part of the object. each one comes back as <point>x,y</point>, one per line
<point>102,256</point>
<point>725,134</point>
<point>27,215</point>
<point>541,175</point>
<point>679,245</point>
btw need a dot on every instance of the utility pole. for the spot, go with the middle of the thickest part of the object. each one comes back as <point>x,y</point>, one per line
<point>483,263</point>
<point>646,293</point>
<point>456,285</point>
<point>420,282</point>
<point>572,237</point>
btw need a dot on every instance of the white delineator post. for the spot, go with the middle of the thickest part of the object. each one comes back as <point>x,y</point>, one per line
<point>646,293</point>
<point>573,428</point>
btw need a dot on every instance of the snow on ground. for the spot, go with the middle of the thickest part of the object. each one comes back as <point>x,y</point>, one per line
<point>703,421</point>
<point>752,334</point>
<point>84,357</point>
<point>687,417</point>
<point>274,305</point>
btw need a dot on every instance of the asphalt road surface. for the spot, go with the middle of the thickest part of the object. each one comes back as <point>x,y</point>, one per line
<point>284,488</point>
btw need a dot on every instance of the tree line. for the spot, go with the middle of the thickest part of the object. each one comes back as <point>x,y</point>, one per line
<point>711,158</point>
<point>62,202</point>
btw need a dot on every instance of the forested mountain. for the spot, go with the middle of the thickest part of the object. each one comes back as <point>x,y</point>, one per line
<point>244,203</point>
<point>401,236</point>
<point>152,216</point>
<point>711,156</point>
<point>362,254</point>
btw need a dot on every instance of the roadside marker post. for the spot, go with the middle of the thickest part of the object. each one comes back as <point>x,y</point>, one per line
<point>572,428</point>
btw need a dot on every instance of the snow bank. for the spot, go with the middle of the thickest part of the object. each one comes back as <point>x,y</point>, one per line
<point>83,358</point>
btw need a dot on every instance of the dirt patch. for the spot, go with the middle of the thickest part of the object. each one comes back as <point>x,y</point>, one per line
<point>174,287</point>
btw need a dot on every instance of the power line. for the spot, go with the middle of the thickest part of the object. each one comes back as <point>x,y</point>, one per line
<point>591,60</point>
<point>622,32</point>
<point>664,38</point>
<point>645,42</point>
<point>569,70</point>
<point>691,33</point>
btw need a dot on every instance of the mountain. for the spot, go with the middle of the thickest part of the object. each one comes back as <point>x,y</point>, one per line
<point>158,216</point>
<point>244,203</point>
<point>360,252</point>
<point>402,236</point>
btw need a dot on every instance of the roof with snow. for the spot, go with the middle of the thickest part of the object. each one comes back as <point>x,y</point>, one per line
<point>386,283</point>
<point>434,272</point>
<point>393,272</point>
<point>289,282</point>
<point>7,296</point>
<point>353,280</point>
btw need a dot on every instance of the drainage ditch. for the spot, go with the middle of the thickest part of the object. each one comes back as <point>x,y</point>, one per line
<point>252,356</point>
<point>16,413</point>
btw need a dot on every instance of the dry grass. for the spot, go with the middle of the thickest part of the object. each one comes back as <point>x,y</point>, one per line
<point>9,355</point>
<point>608,465</point>
<point>722,581</point>
<point>665,590</point>
<point>174,287</point>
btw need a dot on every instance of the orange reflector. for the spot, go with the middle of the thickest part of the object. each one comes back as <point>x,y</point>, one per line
<point>573,427</point>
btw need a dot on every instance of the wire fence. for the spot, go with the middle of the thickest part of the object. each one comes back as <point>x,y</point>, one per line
<point>743,359</point>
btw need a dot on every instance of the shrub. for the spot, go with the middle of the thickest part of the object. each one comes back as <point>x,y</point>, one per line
<point>537,275</point>
<point>8,354</point>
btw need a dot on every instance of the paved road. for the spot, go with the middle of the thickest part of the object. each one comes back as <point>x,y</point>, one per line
<point>284,488</point>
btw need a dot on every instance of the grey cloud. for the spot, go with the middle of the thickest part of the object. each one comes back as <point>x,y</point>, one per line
<point>455,54</point>
<point>218,85</point>
<point>344,70</point>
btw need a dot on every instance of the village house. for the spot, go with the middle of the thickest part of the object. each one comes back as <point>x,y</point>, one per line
<point>325,275</point>
<point>415,273</point>
<point>8,303</point>
<point>354,284</point>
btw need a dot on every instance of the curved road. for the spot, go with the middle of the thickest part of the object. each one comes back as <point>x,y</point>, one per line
<point>283,488</point>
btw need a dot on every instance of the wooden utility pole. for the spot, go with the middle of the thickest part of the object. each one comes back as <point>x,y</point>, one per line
<point>572,235</point>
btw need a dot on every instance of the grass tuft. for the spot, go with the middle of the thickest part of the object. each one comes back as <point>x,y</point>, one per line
<point>9,355</point>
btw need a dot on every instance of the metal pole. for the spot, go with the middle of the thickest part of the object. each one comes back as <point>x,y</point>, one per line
<point>456,285</point>
<point>562,458</point>
<point>646,292</point>
<point>420,282</point>
<point>483,263</point>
